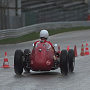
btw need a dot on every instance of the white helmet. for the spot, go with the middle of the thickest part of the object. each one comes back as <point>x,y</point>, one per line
<point>44,33</point>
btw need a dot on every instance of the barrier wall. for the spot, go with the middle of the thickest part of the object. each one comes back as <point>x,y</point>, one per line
<point>9,33</point>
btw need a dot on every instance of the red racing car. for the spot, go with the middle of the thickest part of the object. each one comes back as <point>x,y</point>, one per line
<point>42,59</point>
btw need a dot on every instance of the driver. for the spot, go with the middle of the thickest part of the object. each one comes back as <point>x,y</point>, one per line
<point>44,36</point>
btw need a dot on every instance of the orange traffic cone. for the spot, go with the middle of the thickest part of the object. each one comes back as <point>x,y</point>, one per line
<point>59,49</point>
<point>82,50</point>
<point>5,63</point>
<point>68,48</point>
<point>86,49</point>
<point>75,51</point>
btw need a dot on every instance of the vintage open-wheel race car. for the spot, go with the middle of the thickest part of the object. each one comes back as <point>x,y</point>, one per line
<point>42,59</point>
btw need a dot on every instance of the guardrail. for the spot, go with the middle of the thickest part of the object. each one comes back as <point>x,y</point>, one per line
<point>11,33</point>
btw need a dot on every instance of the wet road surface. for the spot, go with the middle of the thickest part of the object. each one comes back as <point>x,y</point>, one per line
<point>53,80</point>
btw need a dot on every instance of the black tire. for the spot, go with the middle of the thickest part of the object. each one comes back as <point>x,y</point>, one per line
<point>27,60</point>
<point>18,62</point>
<point>64,62</point>
<point>71,60</point>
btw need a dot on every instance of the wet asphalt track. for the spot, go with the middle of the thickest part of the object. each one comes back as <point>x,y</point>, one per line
<point>53,80</point>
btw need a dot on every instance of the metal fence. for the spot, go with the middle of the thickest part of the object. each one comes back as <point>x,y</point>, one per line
<point>10,16</point>
<point>10,33</point>
<point>41,11</point>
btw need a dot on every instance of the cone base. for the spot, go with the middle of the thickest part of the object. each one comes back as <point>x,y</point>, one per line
<point>82,54</point>
<point>5,66</point>
<point>87,53</point>
<point>76,55</point>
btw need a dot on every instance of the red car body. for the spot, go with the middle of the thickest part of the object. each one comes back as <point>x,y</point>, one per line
<point>42,57</point>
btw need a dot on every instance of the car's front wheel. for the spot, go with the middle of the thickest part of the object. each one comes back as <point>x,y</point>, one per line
<point>71,60</point>
<point>18,62</point>
<point>27,60</point>
<point>64,62</point>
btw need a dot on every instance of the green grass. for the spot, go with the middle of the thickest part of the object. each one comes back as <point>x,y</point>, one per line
<point>35,35</point>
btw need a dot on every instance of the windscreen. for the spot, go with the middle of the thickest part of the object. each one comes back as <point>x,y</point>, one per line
<point>45,45</point>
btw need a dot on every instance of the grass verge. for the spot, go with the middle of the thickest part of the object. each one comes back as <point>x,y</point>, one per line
<point>35,35</point>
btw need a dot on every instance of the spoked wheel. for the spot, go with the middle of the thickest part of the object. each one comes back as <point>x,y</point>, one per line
<point>27,60</point>
<point>18,62</point>
<point>64,62</point>
<point>71,60</point>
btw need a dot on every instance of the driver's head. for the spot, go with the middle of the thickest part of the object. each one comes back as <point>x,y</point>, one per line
<point>44,34</point>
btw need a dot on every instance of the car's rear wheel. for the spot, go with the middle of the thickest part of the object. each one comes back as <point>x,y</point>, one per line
<point>71,60</point>
<point>18,62</point>
<point>64,62</point>
<point>27,60</point>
